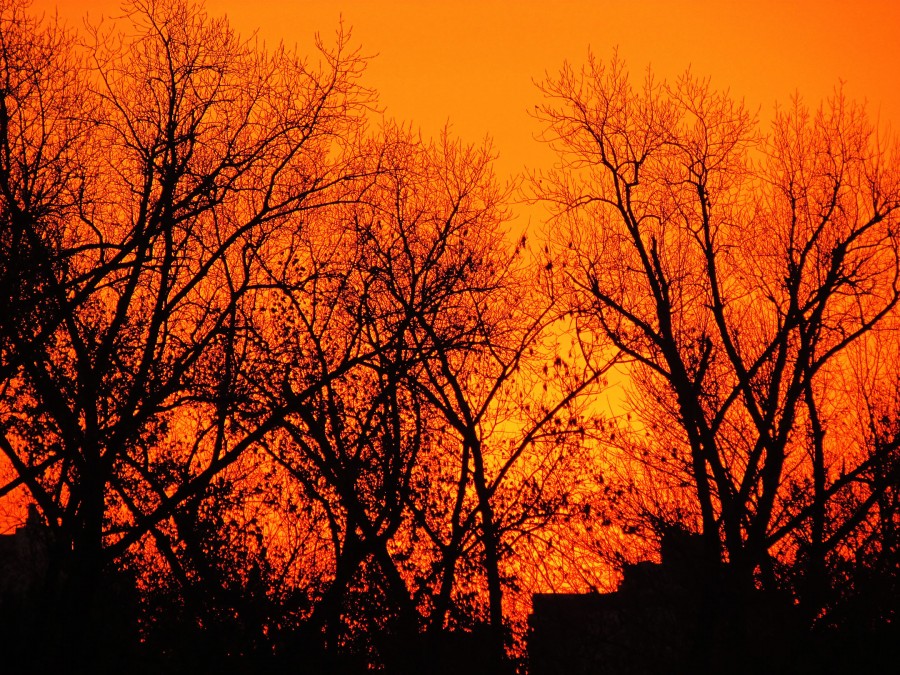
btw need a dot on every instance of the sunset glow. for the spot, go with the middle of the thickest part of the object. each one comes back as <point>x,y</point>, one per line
<point>473,64</point>
<point>466,337</point>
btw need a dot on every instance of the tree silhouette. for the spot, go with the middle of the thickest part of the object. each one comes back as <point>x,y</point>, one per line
<point>279,389</point>
<point>734,269</point>
<point>141,252</point>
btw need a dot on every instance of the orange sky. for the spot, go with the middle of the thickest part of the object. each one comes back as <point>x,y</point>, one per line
<point>472,62</point>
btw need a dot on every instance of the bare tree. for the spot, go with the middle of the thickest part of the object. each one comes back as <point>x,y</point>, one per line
<point>477,327</point>
<point>120,393</point>
<point>733,269</point>
<point>350,295</point>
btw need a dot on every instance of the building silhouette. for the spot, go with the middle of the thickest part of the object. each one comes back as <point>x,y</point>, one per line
<point>24,557</point>
<point>678,616</point>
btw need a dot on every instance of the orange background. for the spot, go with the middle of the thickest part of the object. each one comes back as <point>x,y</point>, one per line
<point>473,62</point>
